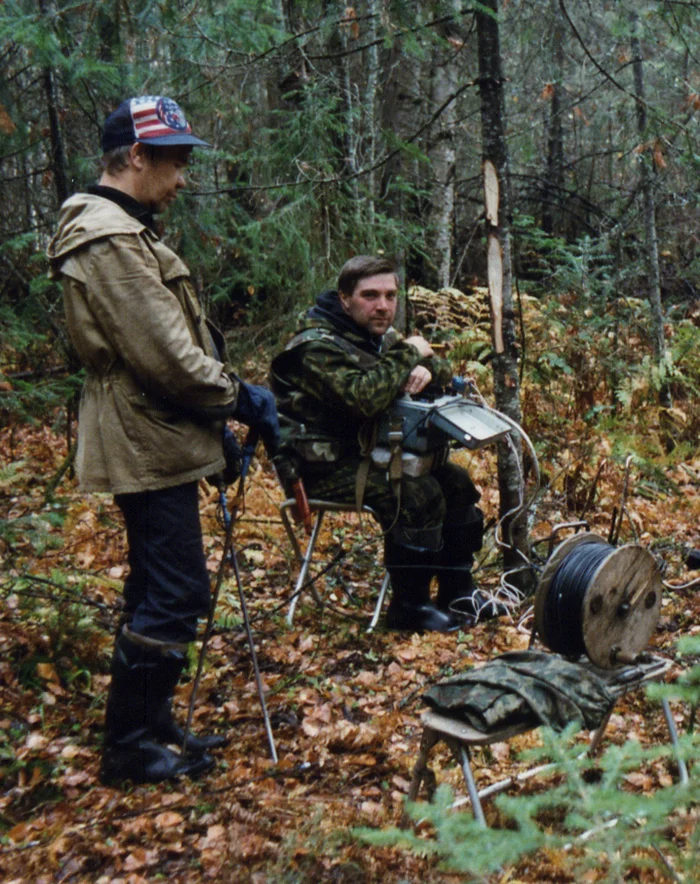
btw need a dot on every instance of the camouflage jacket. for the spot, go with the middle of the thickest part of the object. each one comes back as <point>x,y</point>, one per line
<point>334,380</point>
<point>525,689</point>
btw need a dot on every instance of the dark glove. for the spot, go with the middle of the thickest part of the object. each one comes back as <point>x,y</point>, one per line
<point>233,457</point>
<point>257,409</point>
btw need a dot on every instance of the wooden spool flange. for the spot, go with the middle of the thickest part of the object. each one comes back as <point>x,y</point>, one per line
<point>621,605</point>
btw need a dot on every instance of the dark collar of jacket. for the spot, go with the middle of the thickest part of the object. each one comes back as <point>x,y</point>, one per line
<point>328,309</point>
<point>130,205</point>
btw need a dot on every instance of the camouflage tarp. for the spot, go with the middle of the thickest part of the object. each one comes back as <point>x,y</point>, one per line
<point>526,687</point>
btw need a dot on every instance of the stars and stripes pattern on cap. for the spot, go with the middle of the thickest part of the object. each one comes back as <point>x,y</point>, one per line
<point>148,119</point>
<point>155,117</point>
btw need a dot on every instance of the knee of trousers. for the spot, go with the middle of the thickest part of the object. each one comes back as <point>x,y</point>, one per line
<point>427,540</point>
<point>463,533</point>
<point>421,515</point>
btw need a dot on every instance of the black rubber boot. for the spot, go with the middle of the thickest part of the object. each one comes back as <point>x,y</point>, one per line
<point>140,680</point>
<point>692,561</point>
<point>165,728</point>
<point>411,569</point>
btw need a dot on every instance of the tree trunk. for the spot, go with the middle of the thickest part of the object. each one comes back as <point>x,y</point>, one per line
<point>373,71</point>
<point>348,90</point>
<point>553,185</point>
<point>650,236</point>
<point>443,156</point>
<point>497,214</point>
<point>58,161</point>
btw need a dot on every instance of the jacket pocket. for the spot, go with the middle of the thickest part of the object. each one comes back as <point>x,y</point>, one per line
<point>166,444</point>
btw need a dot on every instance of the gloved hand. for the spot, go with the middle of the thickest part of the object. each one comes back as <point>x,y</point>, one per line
<point>233,457</point>
<point>256,407</point>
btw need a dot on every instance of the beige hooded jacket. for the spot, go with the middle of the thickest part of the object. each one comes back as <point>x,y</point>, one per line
<point>138,328</point>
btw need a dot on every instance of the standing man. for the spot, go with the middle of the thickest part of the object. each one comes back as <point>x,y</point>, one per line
<point>336,378</point>
<point>154,378</point>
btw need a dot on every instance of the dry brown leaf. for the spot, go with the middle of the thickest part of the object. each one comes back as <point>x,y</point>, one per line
<point>36,741</point>
<point>140,858</point>
<point>47,671</point>
<point>639,780</point>
<point>168,819</point>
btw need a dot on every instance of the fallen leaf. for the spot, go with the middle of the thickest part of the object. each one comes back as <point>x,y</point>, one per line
<point>36,741</point>
<point>168,819</point>
<point>140,858</point>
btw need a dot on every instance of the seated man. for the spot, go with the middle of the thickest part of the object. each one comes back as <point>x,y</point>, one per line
<point>337,376</point>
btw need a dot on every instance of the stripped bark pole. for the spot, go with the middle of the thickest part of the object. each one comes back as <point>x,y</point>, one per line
<point>494,256</point>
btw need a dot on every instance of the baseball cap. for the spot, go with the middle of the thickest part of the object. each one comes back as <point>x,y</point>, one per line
<point>148,119</point>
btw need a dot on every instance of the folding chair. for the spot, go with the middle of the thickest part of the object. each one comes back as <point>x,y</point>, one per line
<point>318,508</point>
<point>460,737</point>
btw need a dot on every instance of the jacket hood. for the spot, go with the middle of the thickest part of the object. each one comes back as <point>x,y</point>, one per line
<point>84,218</point>
<point>328,312</point>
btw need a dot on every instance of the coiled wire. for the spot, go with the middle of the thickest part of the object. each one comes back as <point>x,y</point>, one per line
<point>562,611</point>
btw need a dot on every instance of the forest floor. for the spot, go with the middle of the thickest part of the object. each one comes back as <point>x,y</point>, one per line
<point>345,705</point>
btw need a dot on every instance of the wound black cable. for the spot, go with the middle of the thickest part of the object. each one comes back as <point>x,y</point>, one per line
<point>562,613</point>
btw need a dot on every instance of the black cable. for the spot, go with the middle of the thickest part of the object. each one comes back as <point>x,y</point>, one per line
<point>562,614</point>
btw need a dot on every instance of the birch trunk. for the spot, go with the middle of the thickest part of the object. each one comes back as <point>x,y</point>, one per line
<point>443,156</point>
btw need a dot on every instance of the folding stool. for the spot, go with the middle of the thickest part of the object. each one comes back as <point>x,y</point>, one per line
<point>289,512</point>
<point>460,736</point>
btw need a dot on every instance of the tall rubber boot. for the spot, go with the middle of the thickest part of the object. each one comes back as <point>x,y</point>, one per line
<point>462,536</point>
<point>140,680</point>
<point>165,728</point>
<point>411,570</point>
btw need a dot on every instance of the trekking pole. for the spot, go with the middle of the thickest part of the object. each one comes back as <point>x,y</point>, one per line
<point>230,553</point>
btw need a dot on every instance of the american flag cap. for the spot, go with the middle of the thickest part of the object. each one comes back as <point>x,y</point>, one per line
<point>148,119</point>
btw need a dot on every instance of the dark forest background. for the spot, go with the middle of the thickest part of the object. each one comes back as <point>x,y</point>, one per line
<point>338,129</point>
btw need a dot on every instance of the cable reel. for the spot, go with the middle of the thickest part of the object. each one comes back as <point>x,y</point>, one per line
<point>598,600</point>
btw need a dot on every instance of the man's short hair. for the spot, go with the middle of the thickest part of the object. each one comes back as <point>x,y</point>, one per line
<point>116,160</point>
<point>360,267</point>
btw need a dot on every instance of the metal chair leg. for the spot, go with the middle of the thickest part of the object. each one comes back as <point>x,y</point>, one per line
<point>671,724</point>
<point>304,570</point>
<point>304,558</point>
<point>380,603</point>
<point>463,756</point>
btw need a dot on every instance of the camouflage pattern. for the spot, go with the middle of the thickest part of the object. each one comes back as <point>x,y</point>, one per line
<point>425,501</point>
<point>336,392</point>
<point>523,688</point>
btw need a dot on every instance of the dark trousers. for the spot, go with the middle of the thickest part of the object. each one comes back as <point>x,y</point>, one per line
<point>167,589</point>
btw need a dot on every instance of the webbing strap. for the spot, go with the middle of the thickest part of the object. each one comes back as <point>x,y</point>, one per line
<point>152,644</point>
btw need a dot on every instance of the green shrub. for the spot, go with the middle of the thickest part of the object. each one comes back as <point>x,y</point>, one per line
<point>593,813</point>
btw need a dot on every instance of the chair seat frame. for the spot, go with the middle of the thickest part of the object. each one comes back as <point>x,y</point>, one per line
<point>319,508</point>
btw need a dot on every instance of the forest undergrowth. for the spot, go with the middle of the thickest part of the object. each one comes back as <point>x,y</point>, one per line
<point>345,705</point>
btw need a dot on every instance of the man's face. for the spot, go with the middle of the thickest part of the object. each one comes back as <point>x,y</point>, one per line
<point>162,176</point>
<point>372,305</point>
